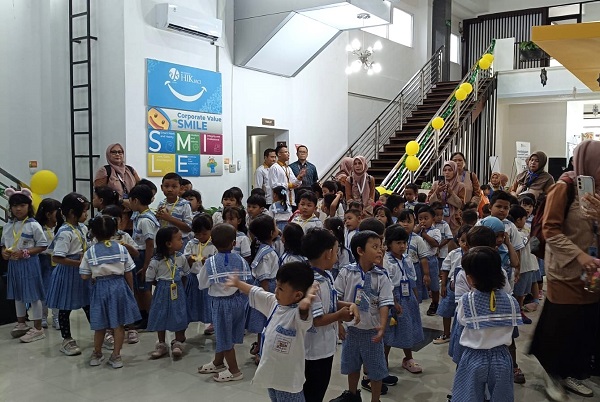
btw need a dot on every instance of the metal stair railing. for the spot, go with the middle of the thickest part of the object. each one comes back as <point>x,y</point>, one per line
<point>372,140</point>
<point>452,112</point>
<point>7,180</point>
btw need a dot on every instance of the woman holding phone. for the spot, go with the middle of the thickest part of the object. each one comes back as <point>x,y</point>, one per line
<point>451,193</point>
<point>566,336</point>
<point>535,179</point>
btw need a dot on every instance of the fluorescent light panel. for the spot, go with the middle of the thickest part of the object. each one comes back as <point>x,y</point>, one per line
<point>343,16</point>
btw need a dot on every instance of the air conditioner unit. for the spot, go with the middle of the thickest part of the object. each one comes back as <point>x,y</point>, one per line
<point>189,22</point>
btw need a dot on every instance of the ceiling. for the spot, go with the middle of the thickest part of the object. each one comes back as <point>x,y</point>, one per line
<point>575,46</point>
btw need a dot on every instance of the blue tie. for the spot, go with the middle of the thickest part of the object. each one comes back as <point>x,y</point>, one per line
<point>364,302</point>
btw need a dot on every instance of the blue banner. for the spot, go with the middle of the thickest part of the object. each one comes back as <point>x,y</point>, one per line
<point>181,87</point>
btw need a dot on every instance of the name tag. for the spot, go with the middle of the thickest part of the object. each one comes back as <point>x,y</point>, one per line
<point>405,288</point>
<point>446,210</point>
<point>173,291</point>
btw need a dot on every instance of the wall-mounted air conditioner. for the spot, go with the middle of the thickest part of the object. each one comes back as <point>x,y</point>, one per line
<point>189,22</point>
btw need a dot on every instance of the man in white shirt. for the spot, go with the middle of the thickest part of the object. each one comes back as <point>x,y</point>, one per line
<point>280,174</point>
<point>261,176</point>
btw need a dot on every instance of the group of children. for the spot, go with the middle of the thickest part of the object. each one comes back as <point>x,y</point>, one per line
<point>301,279</point>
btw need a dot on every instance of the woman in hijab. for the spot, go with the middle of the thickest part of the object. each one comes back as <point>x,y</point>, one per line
<point>563,341</point>
<point>495,184</point>
<point>117,175</point>
<point>534,180</point>
<point>360,186</point>
<point>451,193</point>
<point>345,169</point>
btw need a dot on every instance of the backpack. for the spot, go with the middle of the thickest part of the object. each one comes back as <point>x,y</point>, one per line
<point>538,242</point>
<point>109,171</point>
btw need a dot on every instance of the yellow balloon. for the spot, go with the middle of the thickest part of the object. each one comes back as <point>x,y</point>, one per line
<point>412,163</point>
<point>484,64</point>
<point>437,123</point>
<point>467,87</point>
<point>460,94</point>
<point>36,199</point>
<point>488,56</point>
<point>44,182</point>
<point>383,190</point>
<point>412,148</point>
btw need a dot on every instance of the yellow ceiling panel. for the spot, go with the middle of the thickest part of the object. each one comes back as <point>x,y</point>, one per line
<point>575,46</point>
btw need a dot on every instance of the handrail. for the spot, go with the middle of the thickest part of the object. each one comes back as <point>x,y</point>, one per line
<point>399,176</point>
<point>7,180</point>
<point>392,118</point>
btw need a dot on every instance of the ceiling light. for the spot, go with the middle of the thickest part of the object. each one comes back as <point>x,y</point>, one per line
<point>364,56</point>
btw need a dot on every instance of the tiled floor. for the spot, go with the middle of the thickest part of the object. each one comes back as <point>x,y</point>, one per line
<point>39,371</point>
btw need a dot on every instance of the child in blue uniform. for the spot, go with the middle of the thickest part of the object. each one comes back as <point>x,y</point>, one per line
<point>174,210</point>
<point>236,217</point>
<point>280,210</point>
<point>112,304</point>
<point>432,237</point>
<point>367,285</point>
<point>22,240</point>
<point>292,244</point>
<point>228,304</point>
<point>168,311</point>
<point>197,251</point>
<point>320,247</point>
<point>68,291</point>
<point>264,270</point>
<point>447,307</point>
<point>488,315</point>
<point>404,329</point>
<point>419,253</point>
<point>49,217</point>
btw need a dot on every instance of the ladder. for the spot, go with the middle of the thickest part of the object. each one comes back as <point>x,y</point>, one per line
<point>80,54</point>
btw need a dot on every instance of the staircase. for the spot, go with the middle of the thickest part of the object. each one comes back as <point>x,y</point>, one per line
<point>394,149</point>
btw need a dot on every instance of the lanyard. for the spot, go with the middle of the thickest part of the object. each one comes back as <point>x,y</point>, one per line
<point>399,267</point>
<point>262,338</point>
<point>201,247</point>
<point>79,236</point>
<point>17,236</point>
<point>364,183</point>
<point>171,269</point>
<point>409,239</point>
<point>305,221</point>
<point>462,180</point>
<point>164,223</point>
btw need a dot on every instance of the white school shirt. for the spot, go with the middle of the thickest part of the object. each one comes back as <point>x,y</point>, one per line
<point>320,342</point>
<point>238,266</point>
<point>31,235</point>
<point>261,180</point>
<point>437,235</point>
<point>283,176</point>
<point>242,245</point>
<point>105,269</point>
<point>68,241</point>
<point>181,210</point>
<point>267,267</point>
<point>462,286</point>
<point>159,271</point>
<point>277,212</point>
<point>347,283</point>
<point>306,224</point>
<point>446,232</point>
<point>49,233</point>
<point>144,228</point>
<point>516,238</point>
<point>348,235</point>
<point>193,248</point>
<point>390,263</point>
<point>217,217</point>
<point>286,258</point>
<point>452,261</point>
<point>483,338</point>
<point>528,261</point>
<point>120,237</point>
<point>417,248</point>
<point>281,364</point>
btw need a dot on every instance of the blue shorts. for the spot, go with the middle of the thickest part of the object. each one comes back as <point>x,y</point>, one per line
<point>282,396</point>
<point>358,348</point>
<point>434,274</point>
<point>139,284</point>
<point>523,285</point>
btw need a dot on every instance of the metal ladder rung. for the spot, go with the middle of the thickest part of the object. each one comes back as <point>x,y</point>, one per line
<point>78,39</point>
<point>81,86</point>
<point>79,14</point>
<point>81,62</point>
<point>87,156</point>
<point>80,132</point>
<point>81,109</point>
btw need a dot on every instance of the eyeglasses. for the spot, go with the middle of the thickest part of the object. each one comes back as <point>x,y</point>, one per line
<point>117,152</point>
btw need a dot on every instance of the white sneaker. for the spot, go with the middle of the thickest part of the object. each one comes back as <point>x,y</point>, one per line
<point>109,342</point>
<point>55,323</point>
<point>554,389</point>
<point>33,335</point>
<point>96,359</point>
<point>19,330</point>
<point>115,362</point>
<point>132,336</point>
<point>70,348</point>
<point>45,322</point>
<point>577,386</point>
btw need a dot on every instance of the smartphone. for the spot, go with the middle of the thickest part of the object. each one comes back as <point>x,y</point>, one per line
<point>585,185</point>
<point>441,179</point>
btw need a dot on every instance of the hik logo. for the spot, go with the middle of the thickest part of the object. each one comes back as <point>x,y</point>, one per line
<point>175,76</point>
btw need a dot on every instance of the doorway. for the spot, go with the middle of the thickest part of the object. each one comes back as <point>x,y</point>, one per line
<point>258,140</point>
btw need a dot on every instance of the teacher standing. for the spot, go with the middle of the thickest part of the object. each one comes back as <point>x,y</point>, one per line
<point>468,179</point>
<point>116,175</point>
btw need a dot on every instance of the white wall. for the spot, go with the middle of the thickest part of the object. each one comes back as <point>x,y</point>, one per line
<point>526,84</point>
<point>544,125</point>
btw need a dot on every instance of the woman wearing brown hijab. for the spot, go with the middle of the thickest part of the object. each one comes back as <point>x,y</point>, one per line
<point>535,179</point>
<point>564,338</point>
<point>122,177</point>
<point>451,193</point>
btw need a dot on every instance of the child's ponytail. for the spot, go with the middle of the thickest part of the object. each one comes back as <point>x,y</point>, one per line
<point>282,194</point>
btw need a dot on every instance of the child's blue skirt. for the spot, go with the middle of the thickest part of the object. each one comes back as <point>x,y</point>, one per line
<point>447,306</point>
<point>422,293</point>
<point>408,330</point>
<point>256,319</point>
<point>25,280</point>
<point>67,290</point>
<point>455,349</point>
<point>166,314</point>
<point>198,303</point>
<point>46,268</point>
<point>140,283</point>
<point>228,318</point>
<point>112,303</point>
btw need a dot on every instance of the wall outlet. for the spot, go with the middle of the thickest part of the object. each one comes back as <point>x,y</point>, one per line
<point>232,168</point>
